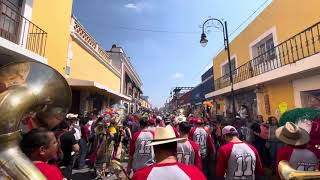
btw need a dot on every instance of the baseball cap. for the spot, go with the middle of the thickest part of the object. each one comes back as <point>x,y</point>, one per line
<point>198,121</point>
<point>229,130</point>
<point>167,120</point>
<point>152,121</point>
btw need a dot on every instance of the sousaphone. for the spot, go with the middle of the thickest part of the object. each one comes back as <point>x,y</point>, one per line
<point>28,88</point>
<point>288,173</point>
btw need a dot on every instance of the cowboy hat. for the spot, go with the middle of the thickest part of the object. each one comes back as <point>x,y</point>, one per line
<point>292,134</point>
<point>163,135</point>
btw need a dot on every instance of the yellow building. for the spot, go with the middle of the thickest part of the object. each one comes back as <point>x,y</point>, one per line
<point>54,17</point>
<point>275,61</point>
<point>45,31</point>
<point>144,101</point>
<point>94,76</point>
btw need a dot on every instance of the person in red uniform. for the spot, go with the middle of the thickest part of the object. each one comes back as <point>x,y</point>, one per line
<point>296,152</point>
<point>188,151</point>
<point>203,138</point>
<point>141,155</point>
<point>40,146</point>
<point>236,159</point>
<point>167,167</point>
<point>152,124</point>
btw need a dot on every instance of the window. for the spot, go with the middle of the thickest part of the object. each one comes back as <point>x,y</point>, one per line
<point>9,19</point>
<point>225,68</point>
<point>264,50</point>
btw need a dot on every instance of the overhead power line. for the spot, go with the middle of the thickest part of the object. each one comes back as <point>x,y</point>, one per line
<point>127,28</point>
<point>156,31</point>
<point>248,18</point>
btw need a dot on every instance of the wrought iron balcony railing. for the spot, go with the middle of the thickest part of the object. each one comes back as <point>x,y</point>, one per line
<point>297,47</point>
<point>19,30</point>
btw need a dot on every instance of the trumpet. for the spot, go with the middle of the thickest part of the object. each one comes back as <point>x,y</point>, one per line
<point>288,173</point>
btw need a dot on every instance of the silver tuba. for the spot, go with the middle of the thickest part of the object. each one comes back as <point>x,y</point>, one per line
<point>288,173</point>
<point>28,88</point>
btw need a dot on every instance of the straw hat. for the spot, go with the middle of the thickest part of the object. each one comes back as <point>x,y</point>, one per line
<point>292,134</point>
<point>163,135</point>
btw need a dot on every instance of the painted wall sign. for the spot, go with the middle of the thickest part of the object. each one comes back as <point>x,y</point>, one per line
<point>283,107</point>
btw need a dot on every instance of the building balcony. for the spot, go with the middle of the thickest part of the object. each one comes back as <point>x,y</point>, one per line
<point>19,37</point>
<point>299,53</point>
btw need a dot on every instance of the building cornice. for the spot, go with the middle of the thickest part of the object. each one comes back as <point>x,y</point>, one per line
<point>89,46</point>
<point>130,67</point>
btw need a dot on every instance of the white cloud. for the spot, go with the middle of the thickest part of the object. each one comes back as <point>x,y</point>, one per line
<point>177,75</point>
<point>139,6</point>
<point>131,6</point>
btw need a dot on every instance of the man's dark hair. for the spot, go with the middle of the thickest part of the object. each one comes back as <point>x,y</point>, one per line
<point>34,139</point>
<point>99,119</point>
<point>184,128</point>
<point>65,124</point>
<point>170,147</point>
<point>270,119</point>
<point>143,122</point>
<point>256,128</point>
<point>158,121</point>
<point>84,120</point>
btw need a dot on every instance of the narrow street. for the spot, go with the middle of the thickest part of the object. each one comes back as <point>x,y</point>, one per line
<point>161,89</point>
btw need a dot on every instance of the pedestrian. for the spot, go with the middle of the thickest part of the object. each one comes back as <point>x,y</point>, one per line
<point>128,136</point>
<point>141,155</point>
<point>152,124</point>
<point>40,145</point>
<point>83,142</point>
<point>273,143</point>
<point>217,133</point>
<point>168,122</point>
<point>260,135</point>
<point>135,126</point>
<point>167,167</point>
<point>188,151</point>
<point>295,151</point>
<point>75,125</point>
<point>205,142</point>
<point>243,112</point>
<point>69,147</point>
<point>237,159</point>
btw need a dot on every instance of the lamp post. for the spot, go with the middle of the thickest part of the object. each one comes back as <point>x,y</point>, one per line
<point>204,41</point>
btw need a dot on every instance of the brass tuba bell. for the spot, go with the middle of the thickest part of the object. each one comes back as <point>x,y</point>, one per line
<point>28,88</point>
<point>288,173</point>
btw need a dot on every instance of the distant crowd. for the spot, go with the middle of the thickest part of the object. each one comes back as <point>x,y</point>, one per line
<point>169,146</point>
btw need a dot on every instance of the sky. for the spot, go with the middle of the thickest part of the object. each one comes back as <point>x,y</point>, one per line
<point>161,37</point>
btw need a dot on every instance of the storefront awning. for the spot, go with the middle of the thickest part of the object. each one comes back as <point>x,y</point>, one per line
<point>92,85</point>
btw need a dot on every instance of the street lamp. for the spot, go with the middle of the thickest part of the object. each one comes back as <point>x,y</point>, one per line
<point>204,41</point>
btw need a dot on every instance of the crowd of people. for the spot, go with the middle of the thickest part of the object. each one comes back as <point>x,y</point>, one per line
<point>169,146</point>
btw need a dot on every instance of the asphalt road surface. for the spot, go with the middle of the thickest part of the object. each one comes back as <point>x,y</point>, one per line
<point>88,174</point>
